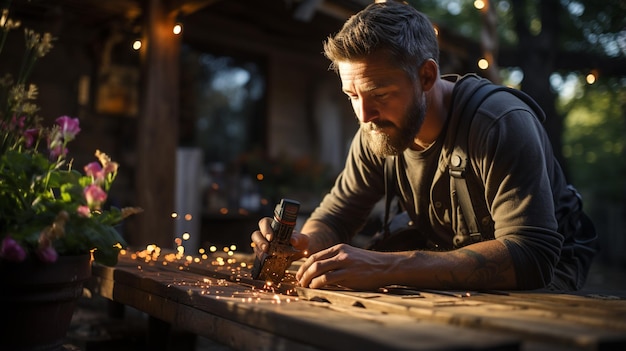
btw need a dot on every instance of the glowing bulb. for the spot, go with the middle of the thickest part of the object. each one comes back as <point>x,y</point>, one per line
<point>178,28</point>
<point>483,63</point>
<point>479,4</point>
<point>591,78</point>
<point>137,44</point>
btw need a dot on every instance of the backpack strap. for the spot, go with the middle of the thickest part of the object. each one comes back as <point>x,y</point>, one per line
<point>389,174</point>
<point>459,159</point>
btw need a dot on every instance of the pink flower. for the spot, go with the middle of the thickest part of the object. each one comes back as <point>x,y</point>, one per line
<point>11,250</point>
<point>18,123</point>
<point>111,167</point>
<point>69,127</point>
<point>94,195</point>
<point>47,254</point>
<point>83,211</point>
<point>94,170</point>
<point>30,135</point>
<point>56,146</point>
<point>57,151</point>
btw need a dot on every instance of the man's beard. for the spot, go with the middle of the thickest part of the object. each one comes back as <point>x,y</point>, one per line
<point>386,139</point>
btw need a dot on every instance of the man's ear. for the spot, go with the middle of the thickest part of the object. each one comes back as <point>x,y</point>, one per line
<point>428,74</point>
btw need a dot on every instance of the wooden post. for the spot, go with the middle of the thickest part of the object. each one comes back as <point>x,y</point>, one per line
<point>157,135</point>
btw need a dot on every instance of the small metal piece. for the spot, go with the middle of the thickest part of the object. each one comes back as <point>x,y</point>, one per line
<point>456,160</point>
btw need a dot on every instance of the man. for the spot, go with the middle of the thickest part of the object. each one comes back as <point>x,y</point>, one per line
<point>387,59</point>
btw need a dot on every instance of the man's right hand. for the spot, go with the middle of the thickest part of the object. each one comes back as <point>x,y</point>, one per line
<point>261,239</point>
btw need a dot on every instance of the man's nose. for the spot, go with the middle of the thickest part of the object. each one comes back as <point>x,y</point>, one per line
<point>365,111</point>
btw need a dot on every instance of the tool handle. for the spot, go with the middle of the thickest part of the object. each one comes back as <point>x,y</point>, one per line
<point>285,217</point>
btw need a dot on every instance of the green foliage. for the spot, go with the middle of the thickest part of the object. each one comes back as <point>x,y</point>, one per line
<point>585,25</point>
<point>39,204</point>
<point>594,142</point>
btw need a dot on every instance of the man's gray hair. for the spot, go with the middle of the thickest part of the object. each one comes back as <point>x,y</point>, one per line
<point>395,29</point>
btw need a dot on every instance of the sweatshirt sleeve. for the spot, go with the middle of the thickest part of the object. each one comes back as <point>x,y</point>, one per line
<point>515,160</point>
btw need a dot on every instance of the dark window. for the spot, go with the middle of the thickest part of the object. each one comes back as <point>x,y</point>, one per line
<point>223,105</point>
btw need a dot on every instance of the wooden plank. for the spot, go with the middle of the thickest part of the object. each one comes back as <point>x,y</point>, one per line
<point>225,331</point>
<point>182,300</point>
<point>610,314</point>
<point>534,324</point>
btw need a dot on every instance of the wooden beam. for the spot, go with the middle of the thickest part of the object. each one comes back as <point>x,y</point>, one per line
<point>188,7</point>
<point>157,135</point>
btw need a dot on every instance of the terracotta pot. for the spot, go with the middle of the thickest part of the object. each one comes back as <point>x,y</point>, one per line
<point>37,301</point>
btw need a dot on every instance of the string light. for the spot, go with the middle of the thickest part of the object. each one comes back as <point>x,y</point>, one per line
<point>137,44</point>
<point>591,78</point>
<point>483,63</point>
<point>479,4</point>
<point>178,28</point>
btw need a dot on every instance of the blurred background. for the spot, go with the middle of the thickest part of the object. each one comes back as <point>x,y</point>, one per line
<point>216,109</point>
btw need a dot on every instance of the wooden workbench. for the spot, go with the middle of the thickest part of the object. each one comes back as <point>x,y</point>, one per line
<point>218,300</point>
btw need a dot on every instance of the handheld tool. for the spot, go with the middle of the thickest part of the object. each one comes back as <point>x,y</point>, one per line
<point>272,265</point>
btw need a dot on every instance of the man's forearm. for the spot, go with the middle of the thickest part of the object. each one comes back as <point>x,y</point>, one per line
<point>321,236</point>
<point>485,265</point>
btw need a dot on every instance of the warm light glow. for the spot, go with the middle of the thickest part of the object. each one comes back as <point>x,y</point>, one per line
<point>233,247</point>
<point>186,236</point>
<point>436,29</point>
<point>479,4</point>
<point>591,78</point>
<point>174,215</point>
<point>212,248</point>
<point>223,210</point>
<point>483,63</point>
<point>178,28</point>
<point>188,217</point>
<point>260,176</point>
<point>137,44</point>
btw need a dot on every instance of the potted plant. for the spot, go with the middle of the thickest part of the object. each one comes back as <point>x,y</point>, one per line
<point>53,218</point>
